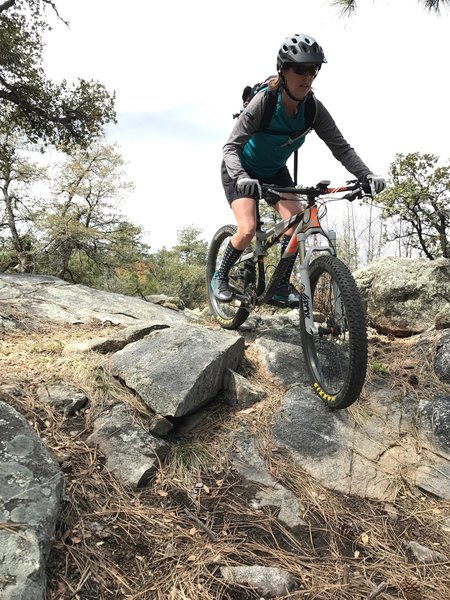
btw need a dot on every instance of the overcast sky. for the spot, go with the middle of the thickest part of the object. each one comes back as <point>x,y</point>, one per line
<point>178,69</point>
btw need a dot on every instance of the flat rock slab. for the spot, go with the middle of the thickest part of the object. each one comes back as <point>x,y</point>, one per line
<point>50,298</point>
<point>178,369</point>
<point>372,447</point>
<point>116,341</point>
<point>132,454</point>
<point>251,466</point>
<point>31,487</point>
<point>63,397</point>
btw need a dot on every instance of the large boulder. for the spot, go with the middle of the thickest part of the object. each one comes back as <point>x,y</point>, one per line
<point>31,487</point>
<point>405,296</point>
<point>179,369</point>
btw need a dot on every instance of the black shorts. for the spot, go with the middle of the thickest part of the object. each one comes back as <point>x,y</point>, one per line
<point>281,178</point>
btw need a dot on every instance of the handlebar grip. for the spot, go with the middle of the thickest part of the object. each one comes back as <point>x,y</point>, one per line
<point>366,188</point>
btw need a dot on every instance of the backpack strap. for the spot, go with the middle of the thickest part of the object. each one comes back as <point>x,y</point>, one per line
<point>269,109</point>
<point>310,117</point>
<point>310,110</point>
<point>295,166</point>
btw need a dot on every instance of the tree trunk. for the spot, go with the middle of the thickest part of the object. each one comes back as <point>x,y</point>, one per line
<point>17,242</point>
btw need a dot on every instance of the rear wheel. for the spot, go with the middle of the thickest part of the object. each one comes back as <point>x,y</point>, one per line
<point>230,315</point>
<point>335,354</point>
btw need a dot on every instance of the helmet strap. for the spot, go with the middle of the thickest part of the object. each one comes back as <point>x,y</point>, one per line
<point>291,96</point>
<point>285,87</point>
<point>288,92</point>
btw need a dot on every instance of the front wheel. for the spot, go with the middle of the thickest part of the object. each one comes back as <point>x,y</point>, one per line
<point>230,315</point>
<point>336,352</point>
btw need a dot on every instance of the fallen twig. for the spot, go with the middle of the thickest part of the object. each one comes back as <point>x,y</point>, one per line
<point>83,579</point>
<point>377,591</point>
<point>212,536</point>
<point>345,574</point>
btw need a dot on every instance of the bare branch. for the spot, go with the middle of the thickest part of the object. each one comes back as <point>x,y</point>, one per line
<point>52,4</point>
<point>376,592</point>
<point>349,7</point>
<point>7,4</point>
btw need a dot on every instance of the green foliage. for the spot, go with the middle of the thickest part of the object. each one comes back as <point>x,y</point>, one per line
<point>418,196</point>
<point>77,231</point>
<point>190,249</point>
<point>181,270</point>
<point>379,368</point>
<point>62,114</point>
<point>8,254</point>
<point>187,463</point>
<point>85,236</point>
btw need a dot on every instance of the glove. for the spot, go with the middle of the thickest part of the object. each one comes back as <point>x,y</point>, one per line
<point>249,188</point>
<point>376,183</point>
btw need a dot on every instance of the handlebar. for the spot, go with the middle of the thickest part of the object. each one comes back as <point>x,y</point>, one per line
<point>354,188</point>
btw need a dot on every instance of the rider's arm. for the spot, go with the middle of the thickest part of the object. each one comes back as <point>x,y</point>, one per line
<point>326,129</point>
<point>248,122</point>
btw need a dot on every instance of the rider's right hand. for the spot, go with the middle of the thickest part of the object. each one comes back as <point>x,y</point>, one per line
<point>249,188</point>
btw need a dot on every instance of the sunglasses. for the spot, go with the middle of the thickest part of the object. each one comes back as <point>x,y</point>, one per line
<point>305,69</point>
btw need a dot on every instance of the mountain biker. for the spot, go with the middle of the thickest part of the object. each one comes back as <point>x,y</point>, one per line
<point>252,156</point>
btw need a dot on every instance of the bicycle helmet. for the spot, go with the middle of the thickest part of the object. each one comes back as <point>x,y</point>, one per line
<point>300,48</point>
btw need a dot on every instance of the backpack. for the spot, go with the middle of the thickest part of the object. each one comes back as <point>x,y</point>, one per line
<point>250,92</point>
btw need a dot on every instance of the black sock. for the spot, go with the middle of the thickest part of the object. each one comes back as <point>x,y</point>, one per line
<point>231,255</point>
<point>287,275</point>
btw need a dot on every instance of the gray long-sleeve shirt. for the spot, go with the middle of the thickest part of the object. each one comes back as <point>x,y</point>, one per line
<point>250,152</point>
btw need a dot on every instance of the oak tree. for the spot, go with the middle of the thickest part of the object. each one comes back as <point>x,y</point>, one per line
<point>418,198</point>
<point>46,112</point>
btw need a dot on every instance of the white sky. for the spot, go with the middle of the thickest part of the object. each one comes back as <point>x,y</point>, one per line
<point>179,67</point>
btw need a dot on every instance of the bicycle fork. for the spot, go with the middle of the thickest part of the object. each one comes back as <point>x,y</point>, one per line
<point>304,258</point>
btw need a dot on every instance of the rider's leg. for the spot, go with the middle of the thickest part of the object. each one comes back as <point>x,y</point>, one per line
<point>245,212</point>
<point>286,209</point>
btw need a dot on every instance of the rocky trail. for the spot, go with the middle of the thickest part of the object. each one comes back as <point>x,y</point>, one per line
<point>260,492</point>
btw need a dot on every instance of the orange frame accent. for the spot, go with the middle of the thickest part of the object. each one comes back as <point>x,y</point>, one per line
<point>313,222</point>
<point>314,218</point>
<point>293,245</point>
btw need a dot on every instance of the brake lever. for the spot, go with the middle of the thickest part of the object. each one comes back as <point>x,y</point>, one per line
<point>356,194</point>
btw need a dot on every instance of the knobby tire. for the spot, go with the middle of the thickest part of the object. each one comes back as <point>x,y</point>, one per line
<point>335,356</point>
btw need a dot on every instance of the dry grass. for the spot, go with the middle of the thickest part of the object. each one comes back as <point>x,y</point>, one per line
<point>168,541</point>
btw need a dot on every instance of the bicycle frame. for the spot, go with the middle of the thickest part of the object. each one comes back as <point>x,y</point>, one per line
<point>335,346</point>
<point>308,224</point>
